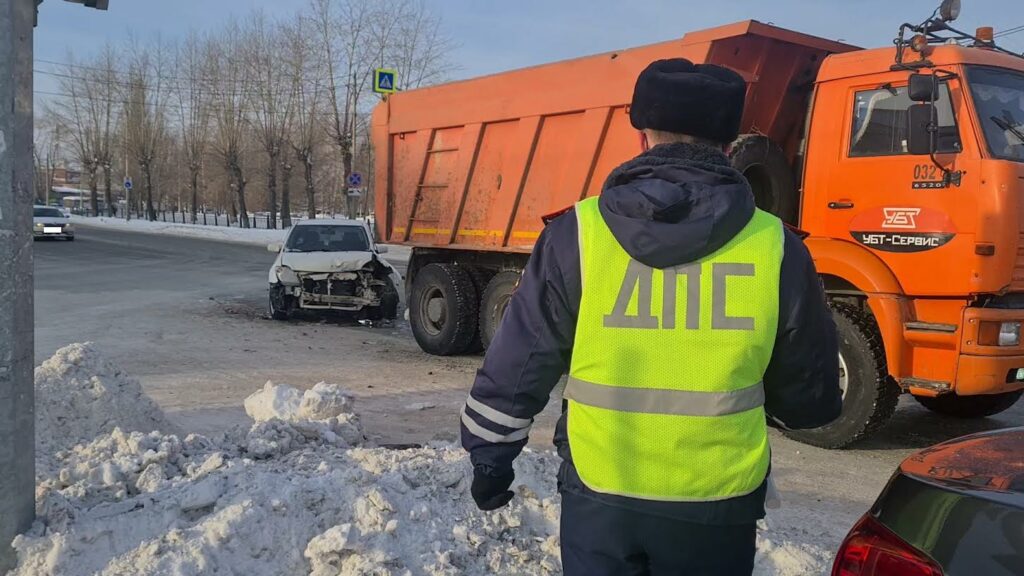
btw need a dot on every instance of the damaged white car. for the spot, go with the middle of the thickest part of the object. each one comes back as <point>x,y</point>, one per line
<point>333,265</point>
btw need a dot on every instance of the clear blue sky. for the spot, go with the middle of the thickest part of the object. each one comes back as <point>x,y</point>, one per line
<point>495,35</point>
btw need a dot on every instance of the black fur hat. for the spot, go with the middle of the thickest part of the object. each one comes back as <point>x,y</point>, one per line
<point>702,100</point>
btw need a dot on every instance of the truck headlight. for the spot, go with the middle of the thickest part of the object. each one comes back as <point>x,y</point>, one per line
<point>1009,334</point>
<point>999,334</point>
<point>287,276</point>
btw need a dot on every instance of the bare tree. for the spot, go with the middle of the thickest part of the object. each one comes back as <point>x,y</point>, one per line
<point>342,26</point>
<point>358,35</point>
<point>306,72</point>
<point>193,75</point>
<point>45,150</point>
<point>146,111</point>
<point>410,39</point>
<point>106,115</point>
<point>230,86</point>
<point>78,116</point>
<point>271,101</point>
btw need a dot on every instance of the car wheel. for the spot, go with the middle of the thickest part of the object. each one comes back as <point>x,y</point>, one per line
<point>970,406</point>
<point>279,305</point>
<point>443,309</point>
<point>870,395</point>
<point>494,302</point>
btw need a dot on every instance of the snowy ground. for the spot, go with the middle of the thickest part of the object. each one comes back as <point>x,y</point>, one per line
<point>253,236</point>
<point>300,491</point>
<point>221,233</point>
<point>186,316</point>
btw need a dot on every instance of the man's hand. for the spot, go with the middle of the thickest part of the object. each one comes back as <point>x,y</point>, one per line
<point>491,492</point>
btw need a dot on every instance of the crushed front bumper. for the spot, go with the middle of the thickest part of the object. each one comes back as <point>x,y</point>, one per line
<point>344,291</point>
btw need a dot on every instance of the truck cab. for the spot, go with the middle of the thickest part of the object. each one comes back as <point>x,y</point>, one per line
<point>925,244</point>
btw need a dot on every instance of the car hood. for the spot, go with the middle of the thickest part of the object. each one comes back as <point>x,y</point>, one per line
<point>326,261</point>
<point>986,462</point>
<point>50,220</point>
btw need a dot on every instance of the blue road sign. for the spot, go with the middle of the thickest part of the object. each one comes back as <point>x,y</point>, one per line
<point>355,179</point>
<point>385,80</point>
<point>127,183</point>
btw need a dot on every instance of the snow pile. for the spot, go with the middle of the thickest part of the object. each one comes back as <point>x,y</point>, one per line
<point>296,494</point>
<point>255,236</point>
<point>80,395</point>
<point>288,419</point>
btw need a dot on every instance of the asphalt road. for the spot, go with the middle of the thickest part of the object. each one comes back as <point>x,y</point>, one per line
<point>187,317</point>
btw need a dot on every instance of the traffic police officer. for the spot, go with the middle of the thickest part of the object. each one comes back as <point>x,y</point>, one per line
<point>685,318</point>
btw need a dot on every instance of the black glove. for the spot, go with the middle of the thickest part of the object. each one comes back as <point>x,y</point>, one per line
<point>491,492</point>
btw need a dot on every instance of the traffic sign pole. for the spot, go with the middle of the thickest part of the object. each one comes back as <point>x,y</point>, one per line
<point>127,196</point>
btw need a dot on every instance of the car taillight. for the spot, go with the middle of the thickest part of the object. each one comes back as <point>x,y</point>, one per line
<point>871,549</point>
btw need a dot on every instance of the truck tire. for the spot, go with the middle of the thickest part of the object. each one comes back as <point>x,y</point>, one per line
<point>767,170</point>
<point>443,309</point>
<point>970,406</point>
<point>494,302</point>
<point>481,276</point>
<point>870,395</point>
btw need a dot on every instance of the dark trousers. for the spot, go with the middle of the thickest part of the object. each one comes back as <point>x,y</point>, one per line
<point>599,539</point>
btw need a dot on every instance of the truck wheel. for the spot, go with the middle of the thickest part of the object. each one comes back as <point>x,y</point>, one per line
<point>480,276</point>
<point>494,302</point>
<point>869,394</point>
<point>443,309</point>
<point>970,406</point>
<point>767,170</point>
<point>279,306</point>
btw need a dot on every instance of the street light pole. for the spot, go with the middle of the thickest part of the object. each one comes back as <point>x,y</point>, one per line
<point>17,398</point>
<point>17,390</point>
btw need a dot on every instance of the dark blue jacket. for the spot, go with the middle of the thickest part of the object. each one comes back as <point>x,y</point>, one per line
<point>670,206</point>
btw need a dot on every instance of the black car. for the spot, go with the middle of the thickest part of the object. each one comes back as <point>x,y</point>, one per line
<point>955,509</point>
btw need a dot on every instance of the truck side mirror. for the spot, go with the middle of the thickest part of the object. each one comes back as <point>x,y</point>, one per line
<point>923,88</point>
<point>919,129</point>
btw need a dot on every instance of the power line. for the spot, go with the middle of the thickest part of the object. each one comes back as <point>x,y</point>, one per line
<point>200,89</point>
<point>1009,31</point>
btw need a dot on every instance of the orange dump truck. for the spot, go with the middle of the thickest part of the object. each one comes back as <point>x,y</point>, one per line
<point>905,166</point>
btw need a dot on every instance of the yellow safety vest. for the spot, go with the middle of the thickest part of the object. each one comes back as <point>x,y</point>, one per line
<point>665,387</point>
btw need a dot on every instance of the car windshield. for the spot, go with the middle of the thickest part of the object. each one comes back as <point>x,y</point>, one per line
<point>999,97</point>
<point>41,212</point>
<point>327,238</point>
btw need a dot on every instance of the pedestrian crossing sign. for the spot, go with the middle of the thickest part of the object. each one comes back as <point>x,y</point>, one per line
<point>384,81</point>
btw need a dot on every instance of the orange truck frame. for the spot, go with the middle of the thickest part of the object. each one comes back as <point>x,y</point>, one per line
<point>917,230</point>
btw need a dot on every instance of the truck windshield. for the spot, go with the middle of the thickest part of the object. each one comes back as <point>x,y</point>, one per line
<point>327,238</point>
<point>999,97</point>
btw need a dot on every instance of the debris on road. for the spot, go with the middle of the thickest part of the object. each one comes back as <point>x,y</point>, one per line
<point>298,492</point>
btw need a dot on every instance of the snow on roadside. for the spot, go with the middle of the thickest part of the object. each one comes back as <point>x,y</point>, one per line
<point>253,236</point>
<point>80,395</point>
<point>222,233</point>
<point>298,492</point>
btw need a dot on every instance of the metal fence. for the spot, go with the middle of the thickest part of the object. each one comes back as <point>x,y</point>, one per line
<point>259,221</point>
<point>203,218</point>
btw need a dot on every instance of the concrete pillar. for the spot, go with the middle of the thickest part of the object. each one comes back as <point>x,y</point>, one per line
<point>17,414</point>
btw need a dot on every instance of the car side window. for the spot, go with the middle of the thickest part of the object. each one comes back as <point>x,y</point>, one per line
<point>880,123</point>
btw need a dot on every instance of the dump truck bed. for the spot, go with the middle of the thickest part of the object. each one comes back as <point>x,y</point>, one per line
<point>475,164</point>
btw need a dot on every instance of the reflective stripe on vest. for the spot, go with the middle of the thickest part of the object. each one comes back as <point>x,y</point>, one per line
<point>665,393</point>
